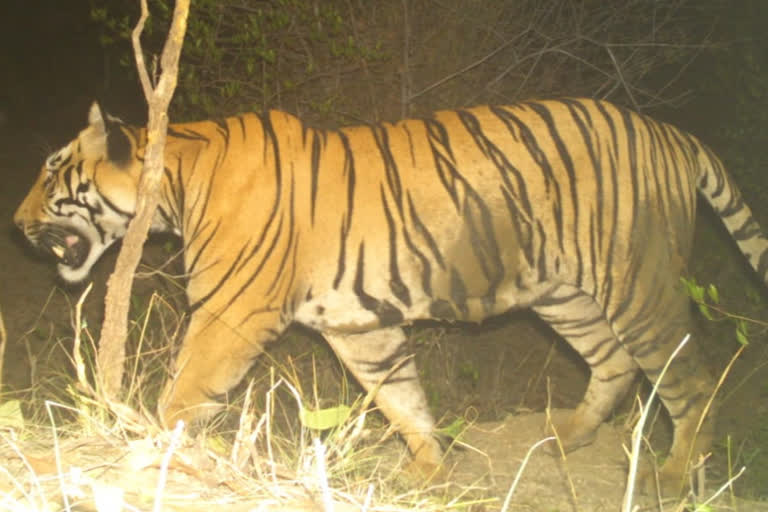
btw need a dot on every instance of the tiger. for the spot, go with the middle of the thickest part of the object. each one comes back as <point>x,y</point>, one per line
<point>579,209</point>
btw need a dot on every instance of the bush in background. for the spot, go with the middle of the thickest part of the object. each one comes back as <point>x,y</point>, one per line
<point>342,61</point>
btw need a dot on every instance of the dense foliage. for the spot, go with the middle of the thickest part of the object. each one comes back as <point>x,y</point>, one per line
<point>367,60</point>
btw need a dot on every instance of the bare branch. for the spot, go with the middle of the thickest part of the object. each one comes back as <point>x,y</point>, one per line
<point>111,356</point>
<point>141,67</point>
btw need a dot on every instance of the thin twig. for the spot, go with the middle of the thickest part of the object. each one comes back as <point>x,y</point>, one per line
<point>3,339</point>
<point>77,354</point>
<point>519,473</point>
<point>141,66</point>
<point>405,72</point>
<point>461,71</point>
<point>637,433</point>
<point>166,462</point>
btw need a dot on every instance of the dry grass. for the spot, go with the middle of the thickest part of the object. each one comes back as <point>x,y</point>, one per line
<point>129,464</point>
<point>113,456</point>
<point>93,454</point>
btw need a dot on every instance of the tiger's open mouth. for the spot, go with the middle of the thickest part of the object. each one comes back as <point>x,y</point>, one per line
<point>68,246</point>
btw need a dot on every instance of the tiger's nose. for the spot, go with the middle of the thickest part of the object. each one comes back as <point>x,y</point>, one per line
<point>18,219</point>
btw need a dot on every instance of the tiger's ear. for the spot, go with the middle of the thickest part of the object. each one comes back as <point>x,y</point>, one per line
<point>96,119</point>
<point>114,142</point>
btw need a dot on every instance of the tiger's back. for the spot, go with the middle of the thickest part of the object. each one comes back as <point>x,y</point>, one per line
<point>484,219</point>
<point>579,209</point>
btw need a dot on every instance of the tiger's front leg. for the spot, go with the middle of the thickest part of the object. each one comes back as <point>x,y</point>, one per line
<point>212,360</point>
<point>379,358</point>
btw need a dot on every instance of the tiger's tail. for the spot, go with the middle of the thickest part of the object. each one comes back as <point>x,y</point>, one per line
<point>716,185</point>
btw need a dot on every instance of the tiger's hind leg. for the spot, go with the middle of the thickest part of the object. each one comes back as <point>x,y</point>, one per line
<point>378,358</point>
<point>576,317</point>
<point>651,331</point>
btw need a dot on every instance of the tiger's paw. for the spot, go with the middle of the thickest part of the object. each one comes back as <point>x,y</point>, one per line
<point>423,473</point>
<point>570,431</point>
<point>665,483</point>
<point>190,405</point>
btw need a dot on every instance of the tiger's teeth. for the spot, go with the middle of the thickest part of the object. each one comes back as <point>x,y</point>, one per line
<point>58,251</point>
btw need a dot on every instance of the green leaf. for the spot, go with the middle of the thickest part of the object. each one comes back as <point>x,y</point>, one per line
<point>714,296</point>
<point>218,445</point>
<point>698,293</point>
<point>324,419</point>
<point>453,430</point>
<point>695,291</point>
<point>98,14</point>
<point>705,310</point>
<point>10,415</point>
<point>741,333</point>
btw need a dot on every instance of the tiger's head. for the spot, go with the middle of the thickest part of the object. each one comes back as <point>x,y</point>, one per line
<point>84,196</point>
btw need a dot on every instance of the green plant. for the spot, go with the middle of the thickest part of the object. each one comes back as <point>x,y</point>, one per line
<point>469,371</point>
<point>341,61</point>
<point>708,302</point>
<point>242,56</point>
